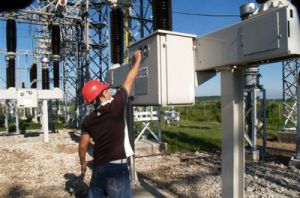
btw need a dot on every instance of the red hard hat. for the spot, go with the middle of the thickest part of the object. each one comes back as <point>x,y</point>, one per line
<point>92,89</point>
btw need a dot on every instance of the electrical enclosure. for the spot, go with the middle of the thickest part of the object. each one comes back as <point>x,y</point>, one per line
<point>27,98</point>
<point>263,38</point>
<point>167,72</point>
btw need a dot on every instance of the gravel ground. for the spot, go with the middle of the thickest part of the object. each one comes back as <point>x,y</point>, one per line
<point>30,168</point>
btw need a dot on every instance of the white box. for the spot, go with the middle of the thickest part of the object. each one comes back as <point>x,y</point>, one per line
<point>27,98</point>
<point>267,37</point>
<point>167,72</point>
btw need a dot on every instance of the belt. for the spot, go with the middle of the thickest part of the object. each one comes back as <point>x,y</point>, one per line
<point>120,161</point>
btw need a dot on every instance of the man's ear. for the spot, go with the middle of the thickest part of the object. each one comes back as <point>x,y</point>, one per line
<point>101,98</point>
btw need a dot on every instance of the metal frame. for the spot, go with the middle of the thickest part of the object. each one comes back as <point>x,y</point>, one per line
<point>254,117</point>
<point>148,116</point>
<point>84,27</point>
<point>290,71</point>
<point>233,150</point>
<point>140,19</point>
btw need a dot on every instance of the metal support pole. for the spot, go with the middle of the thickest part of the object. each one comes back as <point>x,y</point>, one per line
<point>159,125</point>
<point>6,117</point>
<point>130,122</point>
<point>50,114</point>
<point>248,118</point>
<point>295,161</point>
<point>254,119</point>
<point>45,121</point>
<point>17,119</point>
<point>298,121</point>
<point>130,125</point>
<point>264,106</point>
<point>57,115</point>
<point>233,157</point>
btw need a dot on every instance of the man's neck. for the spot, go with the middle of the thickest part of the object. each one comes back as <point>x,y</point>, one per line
<point>107,101</point>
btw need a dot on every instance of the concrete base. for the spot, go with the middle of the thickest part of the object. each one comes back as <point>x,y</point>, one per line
<point>147,190</point>
<point>287,136</point>
<point>295,162</point>
<point>147,147</point>
<point>252,155</point>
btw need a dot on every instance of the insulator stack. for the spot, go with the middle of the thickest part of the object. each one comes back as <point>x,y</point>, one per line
<point>10,73</point>
<point>55,40</point>
<point>11,35</point>
<point>116,35</point>
<point>45,73</point>
<point>33,75</point>
<point>45,78</point>
<point>162,14</point>
<point>56,73</point>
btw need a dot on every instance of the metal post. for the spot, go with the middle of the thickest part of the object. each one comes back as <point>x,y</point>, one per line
<point>232,133</point>
<point>45,121</point>
<point>298,121</point>
<point>264,106</point>
<point>254,119</point>
<point>6,117</point>
<point>159,124</point>
<point>17,119</point>
<point>51,116</point>
<point>130,125</point>
<point>295,161</point>
<point>142,14</point>
<point>130,122</point>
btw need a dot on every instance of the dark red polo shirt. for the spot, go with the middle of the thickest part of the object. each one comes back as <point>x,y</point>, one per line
<point>106,126</point>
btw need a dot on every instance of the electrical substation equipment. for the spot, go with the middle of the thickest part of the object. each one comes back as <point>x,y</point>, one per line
<point>166,74</point>
<point>266,37</point>
<point>170,60</point>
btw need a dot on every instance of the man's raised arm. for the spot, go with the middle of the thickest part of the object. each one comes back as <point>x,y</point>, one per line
<point>131,75</point>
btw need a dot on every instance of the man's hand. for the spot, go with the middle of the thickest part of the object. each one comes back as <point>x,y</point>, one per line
<point>83,167</point>
<point>137,56</point>
<point>82,149</point>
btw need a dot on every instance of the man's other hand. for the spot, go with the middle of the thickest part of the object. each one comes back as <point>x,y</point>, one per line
<point>83,167</point>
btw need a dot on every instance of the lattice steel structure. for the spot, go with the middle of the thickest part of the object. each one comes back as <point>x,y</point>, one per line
<point>84,32</point>
<point>84,43</point>
<point>140,19</point>
<point>290,71</point>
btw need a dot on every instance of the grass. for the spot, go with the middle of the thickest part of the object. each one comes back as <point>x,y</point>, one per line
<point>200,127</point>
<point>28,125</point>
<point>193,136</point>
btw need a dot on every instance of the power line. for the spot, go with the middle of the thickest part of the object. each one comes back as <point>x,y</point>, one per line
<point>206,15</point>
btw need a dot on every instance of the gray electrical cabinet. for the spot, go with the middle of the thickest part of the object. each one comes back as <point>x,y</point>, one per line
<point>167,72</point>
<point>266,37</point>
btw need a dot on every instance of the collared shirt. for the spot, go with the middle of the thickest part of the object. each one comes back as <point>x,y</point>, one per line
<point>107,127</point>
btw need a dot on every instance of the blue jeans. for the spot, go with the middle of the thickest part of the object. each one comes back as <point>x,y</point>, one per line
<point>110,179</point>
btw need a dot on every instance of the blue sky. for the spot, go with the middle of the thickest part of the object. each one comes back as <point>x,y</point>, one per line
<point>271,74</point>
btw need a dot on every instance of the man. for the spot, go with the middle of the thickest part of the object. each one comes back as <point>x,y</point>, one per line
<point>108,129</point>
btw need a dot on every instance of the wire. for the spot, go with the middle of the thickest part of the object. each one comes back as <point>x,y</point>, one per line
<point>206,15</point>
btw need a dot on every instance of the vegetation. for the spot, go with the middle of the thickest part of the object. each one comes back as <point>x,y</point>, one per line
<point>200,125</point>
<point>193,136</point>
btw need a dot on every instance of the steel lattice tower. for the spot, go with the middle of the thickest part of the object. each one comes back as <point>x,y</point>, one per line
<point>84,30</point>
<point>140,19</point>
<point>290,71</point>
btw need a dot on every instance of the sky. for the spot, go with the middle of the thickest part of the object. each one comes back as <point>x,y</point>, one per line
<point>198,25</point>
